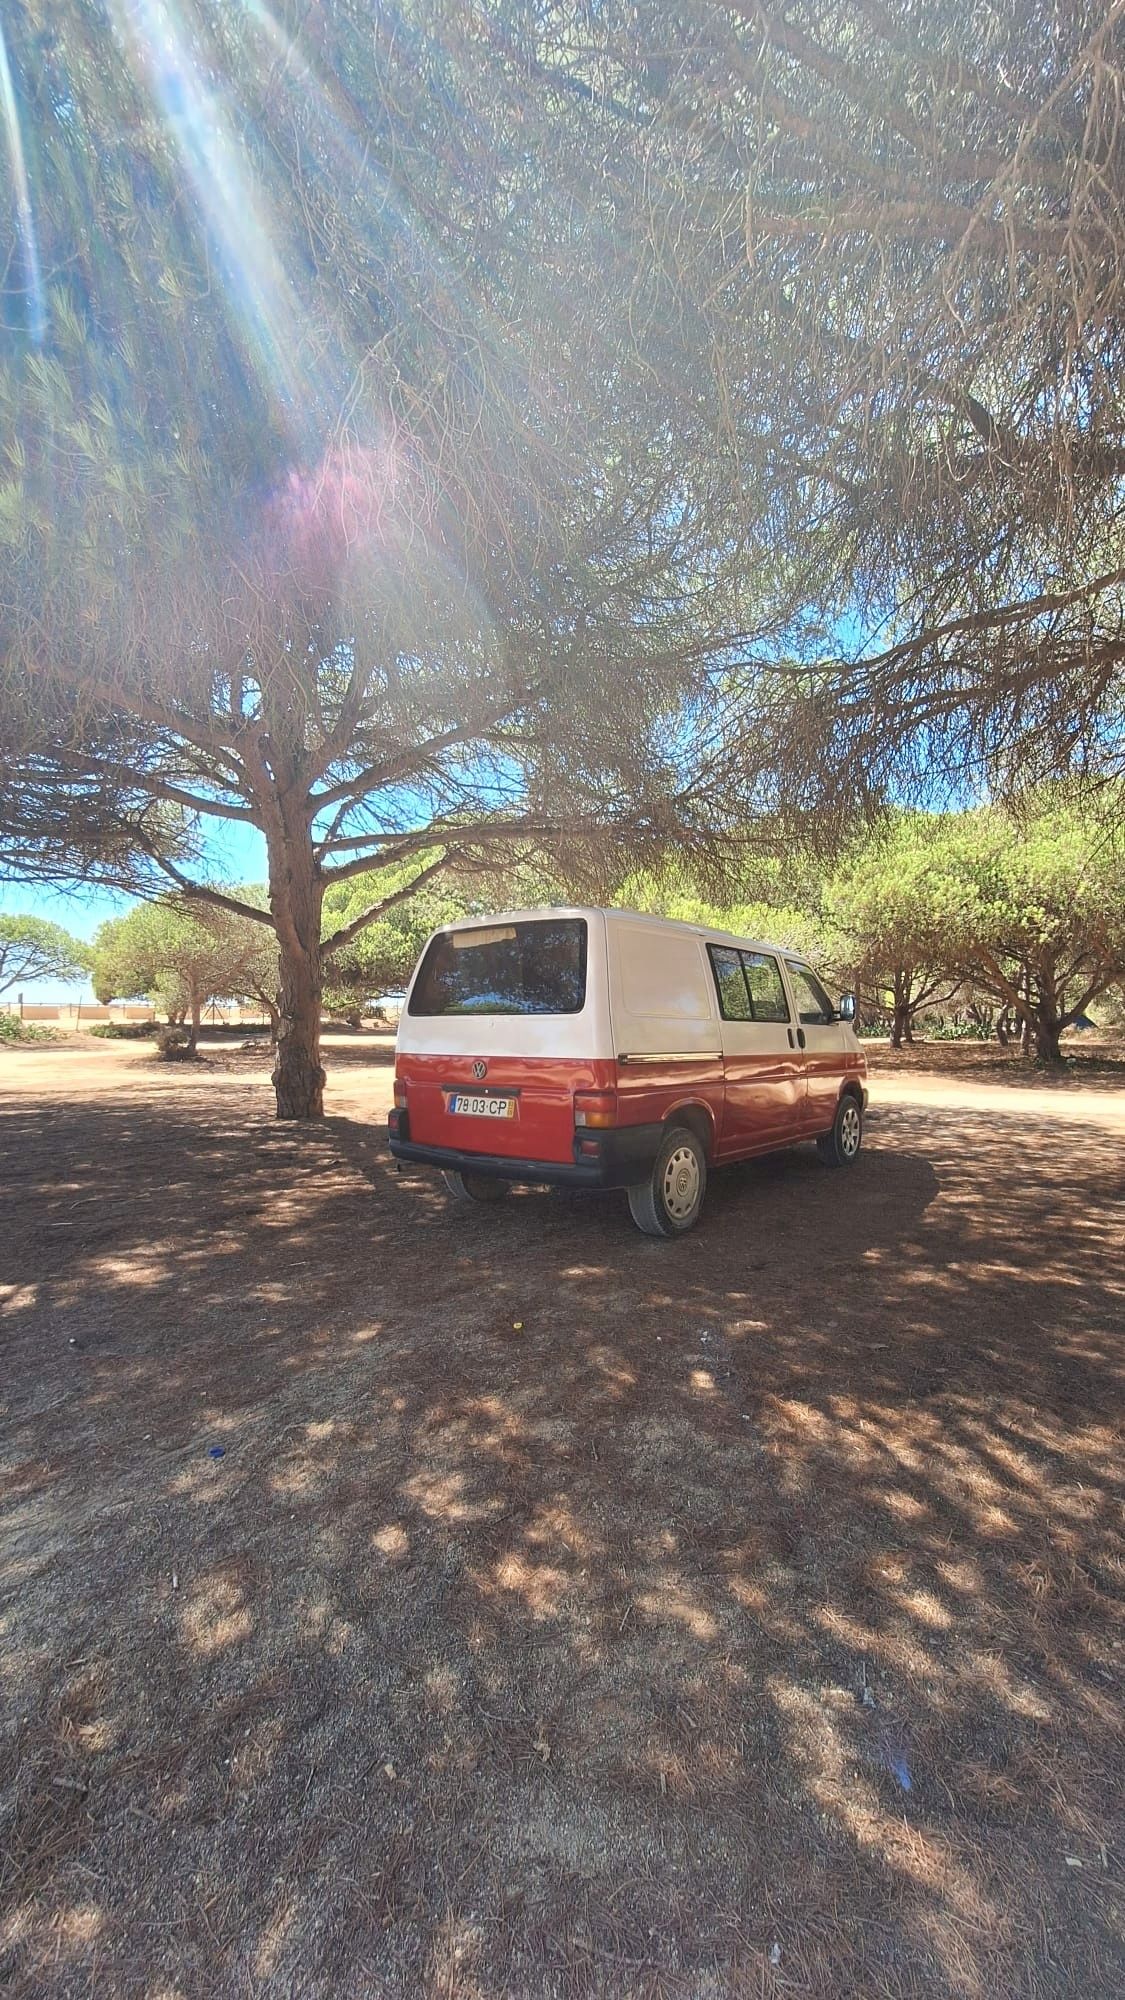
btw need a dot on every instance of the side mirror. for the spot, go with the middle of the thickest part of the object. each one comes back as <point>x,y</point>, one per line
<point>846,1009</point>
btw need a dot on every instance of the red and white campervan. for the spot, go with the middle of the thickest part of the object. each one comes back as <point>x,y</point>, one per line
<point>605,1049</point>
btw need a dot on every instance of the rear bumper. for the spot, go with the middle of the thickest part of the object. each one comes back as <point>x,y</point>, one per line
<point>621,1159</point>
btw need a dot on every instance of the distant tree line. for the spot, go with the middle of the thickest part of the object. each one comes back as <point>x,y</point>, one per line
<point>1014,918</point>
<point>1013,921</point>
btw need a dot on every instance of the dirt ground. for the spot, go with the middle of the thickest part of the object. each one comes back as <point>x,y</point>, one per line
<point>567,1613</point>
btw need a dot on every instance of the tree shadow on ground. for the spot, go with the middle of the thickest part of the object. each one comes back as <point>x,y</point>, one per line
<point>569,1613</point>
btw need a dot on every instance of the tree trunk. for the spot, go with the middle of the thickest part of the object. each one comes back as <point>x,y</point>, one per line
<point>296,895</point>
<point>1047,1042</point>
<point>1048,1028</point>
<point>196,1019</point>
<point>298,1078</point>
<point>900,1010</point>
<point>269,1008</point>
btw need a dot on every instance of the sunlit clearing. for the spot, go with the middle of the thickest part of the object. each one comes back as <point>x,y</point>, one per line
<point>36,315</point>
<point>674,1601</point>
<point>925,1607</point>
<point>215,1617</point>
<point>18,1298</point>
<point>609,1363</point>
<point>392,1541</point>
<point>554,1523</point>
<point>269,1950</point>
<point>538,1586</point>
<point>442,1497</point>
<point>79,1925</point>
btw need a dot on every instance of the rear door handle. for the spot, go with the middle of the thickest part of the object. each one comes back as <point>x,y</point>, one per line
<point>792,1041</point>
<point>800,1038</point>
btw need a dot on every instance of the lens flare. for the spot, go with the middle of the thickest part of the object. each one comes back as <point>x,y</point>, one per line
<point>317,521</point>
<point>37,316</point>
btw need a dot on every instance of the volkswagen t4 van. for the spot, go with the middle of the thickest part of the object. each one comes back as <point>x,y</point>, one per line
<point>606,1049</point>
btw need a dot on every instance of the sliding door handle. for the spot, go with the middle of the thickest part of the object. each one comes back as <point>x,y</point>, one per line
<point>800,1038</point>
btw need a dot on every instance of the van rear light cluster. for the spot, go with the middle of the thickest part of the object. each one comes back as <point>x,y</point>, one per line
<point>596,1109</point>
<point>400,1094</point>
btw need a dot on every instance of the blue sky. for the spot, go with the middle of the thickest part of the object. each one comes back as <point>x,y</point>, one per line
<point>235,853</point>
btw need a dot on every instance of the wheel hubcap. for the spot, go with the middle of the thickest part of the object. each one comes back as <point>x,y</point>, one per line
<point>849,1131</point>
<point>681,1183</point>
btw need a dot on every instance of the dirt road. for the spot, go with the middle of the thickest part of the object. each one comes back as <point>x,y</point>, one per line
<point>403,1601</point>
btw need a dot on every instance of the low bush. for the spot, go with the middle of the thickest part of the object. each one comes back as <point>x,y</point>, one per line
<point>175,1045</point>
<point>124,1031</point>
<point>12,1029</point>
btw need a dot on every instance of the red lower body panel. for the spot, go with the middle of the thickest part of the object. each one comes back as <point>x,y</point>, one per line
<point>543,1088</point>
<point>750,1106</point>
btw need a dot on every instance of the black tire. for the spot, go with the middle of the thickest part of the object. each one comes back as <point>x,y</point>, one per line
<point>840,1147</point>
<point>668,1203</point>
<point>474,1187</point>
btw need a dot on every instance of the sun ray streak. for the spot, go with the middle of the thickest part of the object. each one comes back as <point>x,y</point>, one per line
<point>37,315</point>
<point>222,181</point>
<point>352,141</point>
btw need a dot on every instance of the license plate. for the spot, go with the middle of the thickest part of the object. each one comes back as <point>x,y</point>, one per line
<point>464,1104</point>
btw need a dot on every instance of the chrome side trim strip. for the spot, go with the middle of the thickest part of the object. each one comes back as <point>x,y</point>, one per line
<point>668,1055</point>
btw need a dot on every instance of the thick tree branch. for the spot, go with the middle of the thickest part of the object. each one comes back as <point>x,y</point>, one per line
<point>201,892</point>
<point>116,696</point>
<point>342,734</point>
<point>1002,615</point>
<point>391,849</point>
<point>376,777</point>
<point>375,910</point>
<point>157,787</point>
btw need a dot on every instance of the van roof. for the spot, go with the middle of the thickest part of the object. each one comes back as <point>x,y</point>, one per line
<point>620,916</point>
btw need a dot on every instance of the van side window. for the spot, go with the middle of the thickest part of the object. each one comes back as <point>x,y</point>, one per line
<point>813,1004</point>
<point>767,993</point>
<point>734,998</point>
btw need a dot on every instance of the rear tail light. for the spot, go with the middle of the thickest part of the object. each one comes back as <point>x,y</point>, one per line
<point>400,1094</point>
<point>595,1108</point>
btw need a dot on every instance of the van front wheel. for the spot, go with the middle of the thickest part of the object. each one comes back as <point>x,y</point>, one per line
<point>474,1187</point>
<point>668,1203</point>
<point>839,1147</point>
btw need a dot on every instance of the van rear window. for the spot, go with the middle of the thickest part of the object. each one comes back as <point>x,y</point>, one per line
<point>537,967</point>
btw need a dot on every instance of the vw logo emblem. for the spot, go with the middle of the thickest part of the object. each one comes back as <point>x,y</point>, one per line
<point>480,1069</point>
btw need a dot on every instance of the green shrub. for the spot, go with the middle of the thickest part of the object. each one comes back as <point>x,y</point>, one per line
<point>12,1029</point>
<point>124,1031</point>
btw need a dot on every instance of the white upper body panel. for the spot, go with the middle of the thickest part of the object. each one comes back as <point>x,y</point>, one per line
<point>649,990</point>
<point>586,1033</point>
<point>662,995</point>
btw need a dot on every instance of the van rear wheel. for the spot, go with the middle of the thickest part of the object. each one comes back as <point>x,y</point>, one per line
<point>668,1203</point>
<point>474,1187</point>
